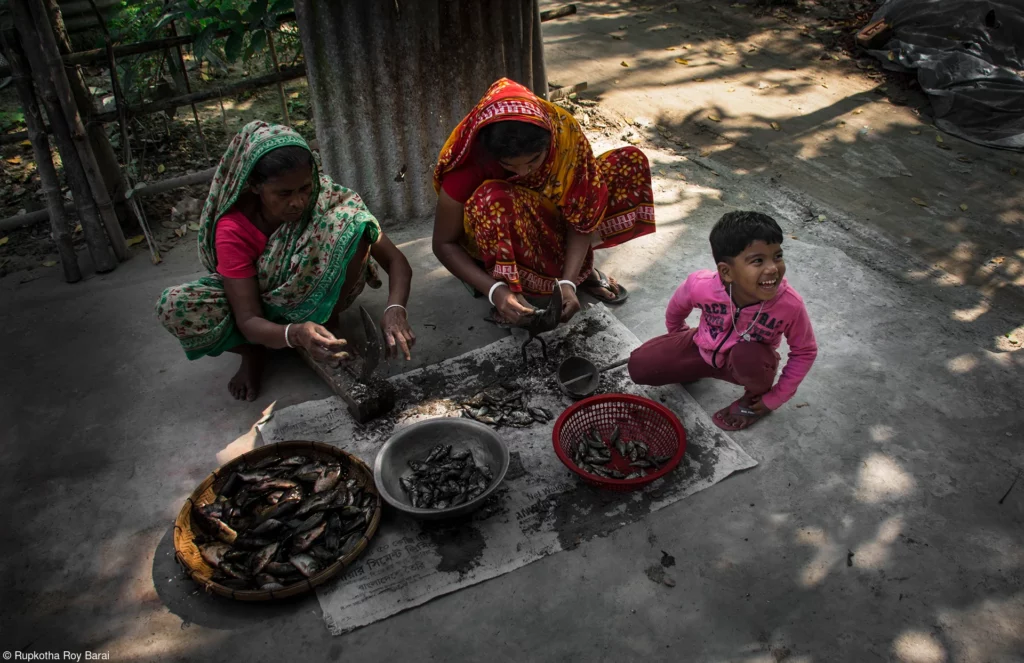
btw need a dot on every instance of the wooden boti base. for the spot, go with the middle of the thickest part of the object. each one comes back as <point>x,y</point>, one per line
<point>365,400</point>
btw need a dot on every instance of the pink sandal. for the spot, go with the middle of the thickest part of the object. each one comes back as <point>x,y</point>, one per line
<point>736,409</point>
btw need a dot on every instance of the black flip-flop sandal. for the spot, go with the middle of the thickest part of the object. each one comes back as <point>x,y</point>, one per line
<point>598,280</point>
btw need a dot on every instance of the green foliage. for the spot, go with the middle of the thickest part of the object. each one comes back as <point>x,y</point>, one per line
<point>247,21</point>
<point>11,120</point>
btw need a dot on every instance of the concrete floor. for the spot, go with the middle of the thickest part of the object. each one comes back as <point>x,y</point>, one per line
<point>909,436</point>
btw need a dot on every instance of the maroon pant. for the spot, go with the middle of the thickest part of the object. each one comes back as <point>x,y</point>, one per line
<point>676,358</point>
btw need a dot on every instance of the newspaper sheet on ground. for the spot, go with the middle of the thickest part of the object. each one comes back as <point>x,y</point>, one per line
<point>540,509</point>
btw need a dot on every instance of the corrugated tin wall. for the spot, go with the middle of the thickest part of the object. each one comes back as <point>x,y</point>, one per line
<point>389,79</point>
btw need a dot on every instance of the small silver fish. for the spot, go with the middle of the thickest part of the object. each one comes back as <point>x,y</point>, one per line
<point>632,475</point>
<point>642,449</point>
<point>328,480</point>
<point>279,569</point>
<point>620,446</point>
<point>267,582</point>
<point>303,541</point>
<point>615,434</point>
<point>294,461</point>
<point>213,553</point>
<point>263,557</point>
<point>641,463</point>
<point>306,565</point>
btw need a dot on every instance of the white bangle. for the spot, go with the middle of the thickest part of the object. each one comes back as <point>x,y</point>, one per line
<point>286,341</point>
<point>490,295</point>
<point>569,283</point>
<point>395,306</point>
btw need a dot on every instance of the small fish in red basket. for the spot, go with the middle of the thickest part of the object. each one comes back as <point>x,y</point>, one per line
<point>619,441</point>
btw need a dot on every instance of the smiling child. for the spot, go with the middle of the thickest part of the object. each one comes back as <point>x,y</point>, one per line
<point>746,308</point>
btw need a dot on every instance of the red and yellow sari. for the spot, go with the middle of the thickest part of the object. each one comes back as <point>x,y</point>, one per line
<point>517,226</point>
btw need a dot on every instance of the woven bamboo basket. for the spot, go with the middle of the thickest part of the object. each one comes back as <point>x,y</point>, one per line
<point>187,553</point>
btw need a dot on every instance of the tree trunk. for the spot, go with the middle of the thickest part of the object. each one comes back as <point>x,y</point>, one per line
<point>106,158</point>
<point>59,80</point>
<point>95,238</point>
<point>44,159</point>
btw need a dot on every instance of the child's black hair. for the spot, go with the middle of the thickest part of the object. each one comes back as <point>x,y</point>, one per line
<point>280,161</point>
<point>510,139</point>
<point>735,231</point>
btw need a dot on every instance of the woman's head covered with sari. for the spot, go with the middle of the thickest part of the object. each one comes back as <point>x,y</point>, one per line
<point>242,165</point>
<point>569,175</point>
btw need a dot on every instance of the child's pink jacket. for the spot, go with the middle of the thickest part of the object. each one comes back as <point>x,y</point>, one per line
<point>784,314</point>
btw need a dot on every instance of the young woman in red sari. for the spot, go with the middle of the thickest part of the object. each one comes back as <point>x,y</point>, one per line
<point>523,201</point>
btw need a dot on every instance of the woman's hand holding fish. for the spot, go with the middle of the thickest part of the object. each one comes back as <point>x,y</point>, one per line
<point>321,344</point>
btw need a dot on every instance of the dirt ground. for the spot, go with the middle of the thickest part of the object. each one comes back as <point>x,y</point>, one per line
<point>881,524</point>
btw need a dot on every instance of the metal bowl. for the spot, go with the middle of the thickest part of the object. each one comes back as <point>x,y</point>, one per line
<point>416,441</point>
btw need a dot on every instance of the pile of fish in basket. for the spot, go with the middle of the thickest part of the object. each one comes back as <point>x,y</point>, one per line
<point>593,454</point>
<point>275,522</point>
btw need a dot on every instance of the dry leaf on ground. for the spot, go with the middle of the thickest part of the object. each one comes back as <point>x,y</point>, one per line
<point>918,201</point>
<point>4,240</point>
<point>193,226</point>
<point>619,37</point>
<point>776,127</point>
<point>49,263</point>
<point>624,63</point>
<point>821,218</point>
<point>916,132</point>
<point>698,80</point>
<point>963,207</point>
<point>705,153</point>
<point>78,228</point>
<point>14,161</point>
<point>682,61</point>
<point>161,168</point>
<point>714,118</point>
<point>132,241</point>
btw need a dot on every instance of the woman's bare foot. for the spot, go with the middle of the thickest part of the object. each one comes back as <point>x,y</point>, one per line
<point>245,385</point>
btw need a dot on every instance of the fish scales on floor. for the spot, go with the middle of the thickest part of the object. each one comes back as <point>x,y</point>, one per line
<point>445,478</point>
<point>506,405</point>
<point>280,521</point>
<point>595,455</point>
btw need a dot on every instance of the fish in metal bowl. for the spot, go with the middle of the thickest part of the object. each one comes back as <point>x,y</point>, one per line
<point>440,468</point>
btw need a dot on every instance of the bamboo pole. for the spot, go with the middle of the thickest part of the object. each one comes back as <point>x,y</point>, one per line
<point>280,85</point>
<point>95,237</point>
<point>58,77</point>
<point>286,74</point>
<point>115,86</point>
<point>188,89</point>
<point>44,159</point>
<point>106,159</point>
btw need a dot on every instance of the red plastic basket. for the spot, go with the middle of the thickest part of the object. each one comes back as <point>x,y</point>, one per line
<point>637,418</point>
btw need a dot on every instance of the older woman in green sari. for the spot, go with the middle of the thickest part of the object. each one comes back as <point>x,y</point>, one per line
<point>287,250</point>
